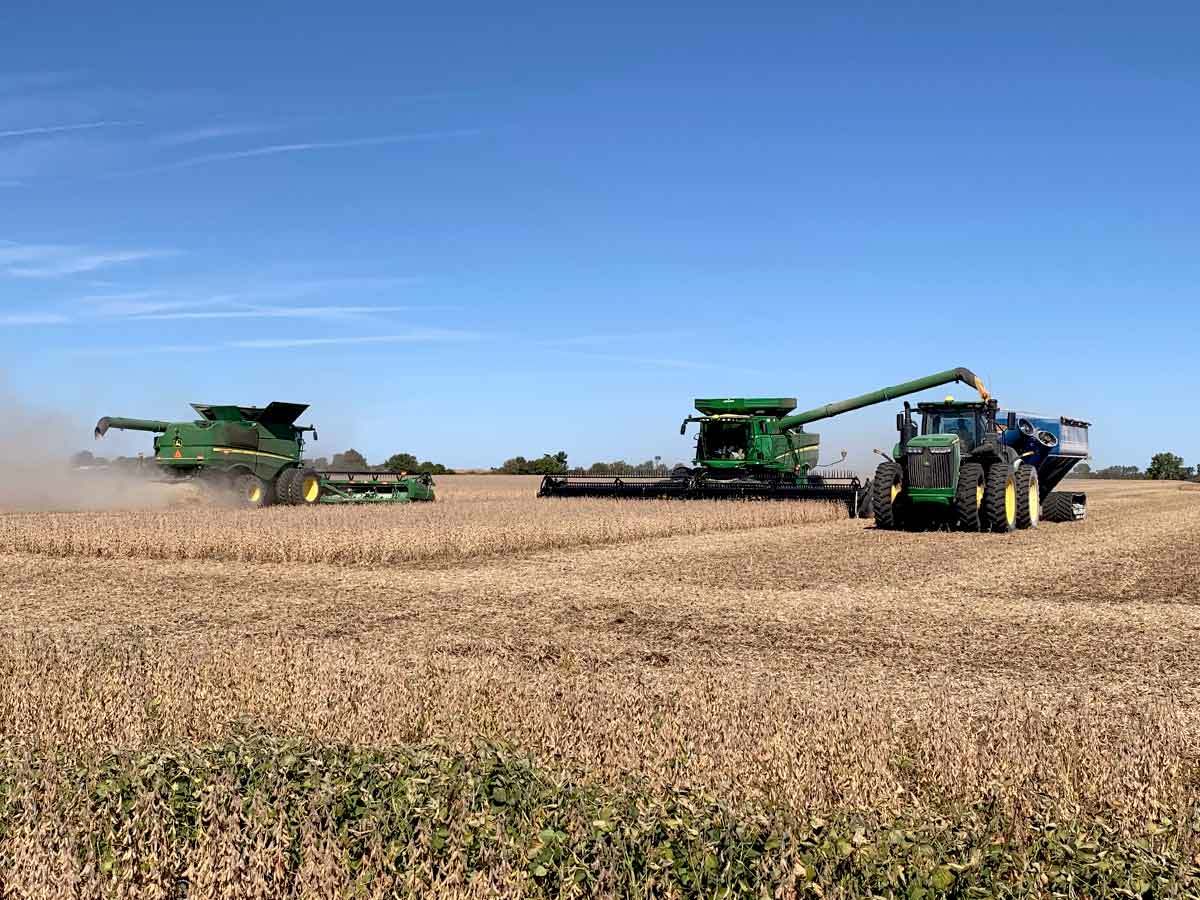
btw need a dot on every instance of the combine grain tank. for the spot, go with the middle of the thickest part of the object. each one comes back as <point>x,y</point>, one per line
<point>755,448</point>
<point>257,453</point>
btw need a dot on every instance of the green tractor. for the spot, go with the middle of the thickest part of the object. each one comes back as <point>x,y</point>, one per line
<point>972,467</point>
<point>257,454</point>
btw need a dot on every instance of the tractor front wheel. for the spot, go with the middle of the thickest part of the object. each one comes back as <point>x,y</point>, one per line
<point>253,491</point>
<point>887,495</point>
<point>1029,498</point>
<point>968,498</point>
<point>1000,497</point>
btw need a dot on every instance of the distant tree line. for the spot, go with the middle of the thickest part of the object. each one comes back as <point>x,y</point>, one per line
<point>556,464</point>
<point>1163,467</point>
<point>547,464</point>
<point>353,461</point>
<point>620,467</point>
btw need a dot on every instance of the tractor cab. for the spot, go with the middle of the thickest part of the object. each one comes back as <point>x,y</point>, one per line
<point>969,422</point>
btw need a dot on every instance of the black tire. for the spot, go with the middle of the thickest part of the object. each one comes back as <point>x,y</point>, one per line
<point>683,473</point>
<point>253,491</point>
<point>969,497</point>
<point>1029,498</point>
<point>307,490</point>
<point>1000,497</point>
<point>286,486</point>
<point>1058,506</point>
<point>866,503</point>
<point>887,495</point>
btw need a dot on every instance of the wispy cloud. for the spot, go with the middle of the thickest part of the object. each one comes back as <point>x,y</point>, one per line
<point>416,336</point>
<point>308,147</point>
<point>208,133</point>
<point>57,129</point>
<point>62,261</point>
<point>276,312</point>
<point>54,260</point>
<point>152,306</point>
<point>419,336</point>
<point>32,319</point>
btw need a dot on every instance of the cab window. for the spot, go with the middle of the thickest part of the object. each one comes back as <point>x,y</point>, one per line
<point>965,425</point>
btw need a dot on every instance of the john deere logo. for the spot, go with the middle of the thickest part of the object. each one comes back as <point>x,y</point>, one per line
<point>178,454</point>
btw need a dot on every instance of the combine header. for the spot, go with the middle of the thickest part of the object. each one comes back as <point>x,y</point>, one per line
<point>257,453</point>
<point>755,448</point>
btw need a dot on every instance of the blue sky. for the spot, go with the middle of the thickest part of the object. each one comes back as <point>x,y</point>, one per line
<point>493,230</point>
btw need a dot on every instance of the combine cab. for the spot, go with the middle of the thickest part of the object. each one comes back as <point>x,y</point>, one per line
<point>754,448</point>
<point>256,452</point>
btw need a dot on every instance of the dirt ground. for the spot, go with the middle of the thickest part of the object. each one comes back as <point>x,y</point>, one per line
<point>810,664</point>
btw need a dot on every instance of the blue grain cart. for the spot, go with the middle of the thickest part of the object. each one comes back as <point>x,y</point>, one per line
<point>1054,445</point>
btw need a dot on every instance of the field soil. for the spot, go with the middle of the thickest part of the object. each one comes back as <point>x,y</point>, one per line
<point>778,661</point>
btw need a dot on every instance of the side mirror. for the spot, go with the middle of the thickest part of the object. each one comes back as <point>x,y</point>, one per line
<point>899,421</point>
<point>315,438</point>
<point>683,428</point>
<point>1012,421</point>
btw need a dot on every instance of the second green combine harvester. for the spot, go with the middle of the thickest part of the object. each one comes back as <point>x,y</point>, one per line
<point>256,452</point>
<point>756,448</point>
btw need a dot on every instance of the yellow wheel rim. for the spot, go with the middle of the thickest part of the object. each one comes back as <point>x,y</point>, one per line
<point>1035,501</point>
<point>312,489</point>
<point>978,496</point>
<point>1010,502</point>
<point>255,493</point>
<point>895,491</point>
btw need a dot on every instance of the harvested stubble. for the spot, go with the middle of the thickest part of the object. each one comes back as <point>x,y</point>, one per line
<point>477,520</point>
<point>965,691</point>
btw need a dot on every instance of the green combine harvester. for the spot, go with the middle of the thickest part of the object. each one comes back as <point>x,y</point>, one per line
<point>756,448</point>
<point>257,453</point>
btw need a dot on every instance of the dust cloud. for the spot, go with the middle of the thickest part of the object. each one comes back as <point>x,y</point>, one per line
<point>36,473</point>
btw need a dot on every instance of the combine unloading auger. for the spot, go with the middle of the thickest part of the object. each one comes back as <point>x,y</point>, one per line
<point>756,448</point>
<point>257,452</point>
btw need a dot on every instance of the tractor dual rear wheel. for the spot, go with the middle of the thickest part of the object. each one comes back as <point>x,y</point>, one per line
<point>968,498</point>
<point>1000,497</point>
<point>887,495</point>
<point>1029,498</point>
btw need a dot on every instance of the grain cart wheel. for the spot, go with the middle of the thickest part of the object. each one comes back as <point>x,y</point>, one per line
<point>887,494</point>
<point>1029,498</point>
<point>252,491</point>
<point>286,485</point>
<point>968,499</point>
<point>1000,497</point>
<point>308,487</point>
<point>1059,506</point>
